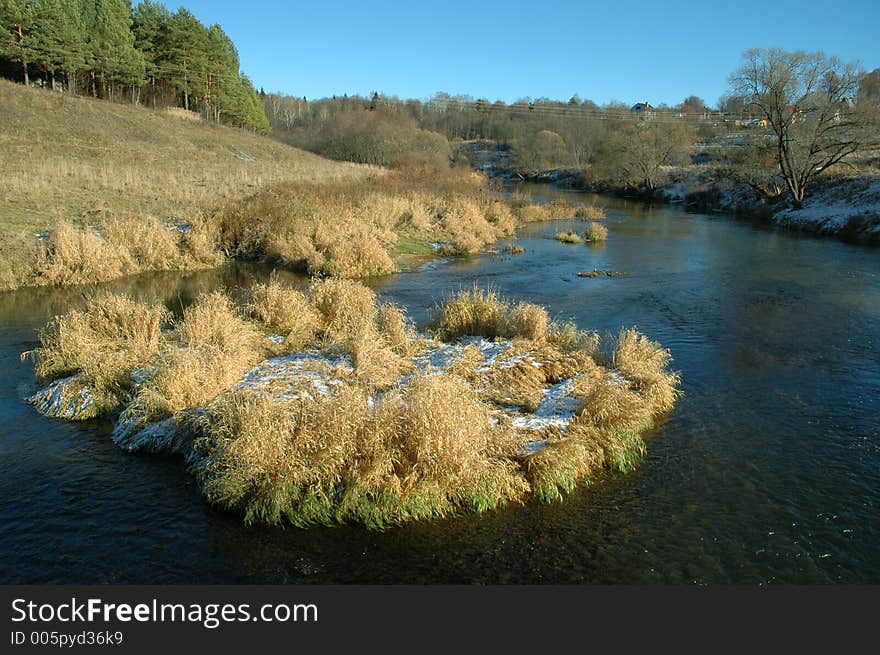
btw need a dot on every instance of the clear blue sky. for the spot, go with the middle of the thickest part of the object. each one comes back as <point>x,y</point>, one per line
<point>659,51</point>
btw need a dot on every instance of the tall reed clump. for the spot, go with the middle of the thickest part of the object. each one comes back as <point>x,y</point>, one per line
<point>121,245</point>
<point>646,364</point>
<point>287,310</point>
<point>595,232</point>
<point>589,213</point>
<point>103,342</point>
<point>531,212</point>
<point>429,451</point>
<point>483,312</point>
<point>350,229</point>
<point>569,237</point>
<point>352,322</point>
<point>210,349</point>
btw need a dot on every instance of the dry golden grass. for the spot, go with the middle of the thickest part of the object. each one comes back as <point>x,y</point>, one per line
<point>277,460</point>
<point>595,232</point>
<point>352,229</point>
<point>396,328</point>
<point>531,212</point>
<point>111,336</point>
<point>427,452</point>
<point>474,311</point>
<point>376,363</point>
<point>212,347</point>
<point>528,321</point>
<point>75,159</point>
<point>589,213</point>
<point>363,449</point>
<point>286,310</point>
<point>646,364</point>
<point>569,237</point>
<point>347,308</point>
<point>482,312</point>
<point>556,470</point>
<point>568,338</point>
<point>120,245</point>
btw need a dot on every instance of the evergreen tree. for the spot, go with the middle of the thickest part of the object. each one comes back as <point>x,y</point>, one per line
<point>116,60</point>
<point>187,49</point>
<point>150,25</point>
<point>16,20</point>
<point>222,74</point>
<point>59,38</point>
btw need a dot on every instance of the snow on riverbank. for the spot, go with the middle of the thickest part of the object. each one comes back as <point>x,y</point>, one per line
<point>831,209</point>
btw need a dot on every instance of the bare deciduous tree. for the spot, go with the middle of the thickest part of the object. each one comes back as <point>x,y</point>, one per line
<point>636,153</point>
<point>808,100</point>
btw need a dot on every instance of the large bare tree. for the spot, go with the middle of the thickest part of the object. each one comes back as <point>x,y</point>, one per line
<point>809,101</point>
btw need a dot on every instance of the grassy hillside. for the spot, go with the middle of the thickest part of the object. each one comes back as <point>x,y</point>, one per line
<point>82,159</point>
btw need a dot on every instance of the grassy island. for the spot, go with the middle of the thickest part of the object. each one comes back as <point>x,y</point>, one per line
<point>323,405</point>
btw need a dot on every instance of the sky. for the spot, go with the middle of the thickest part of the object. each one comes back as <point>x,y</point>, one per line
<point>623,50</point>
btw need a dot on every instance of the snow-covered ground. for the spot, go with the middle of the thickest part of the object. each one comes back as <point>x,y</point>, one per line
<point>848,208</point>
<point>831,208</point>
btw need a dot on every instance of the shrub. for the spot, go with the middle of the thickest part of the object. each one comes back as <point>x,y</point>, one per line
<point>568,237</point>
<point>595,232</point>
<point>381,139</point>
<point>589,212</point>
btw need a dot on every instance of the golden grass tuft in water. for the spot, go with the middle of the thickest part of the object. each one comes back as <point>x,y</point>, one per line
<point>595,232</point>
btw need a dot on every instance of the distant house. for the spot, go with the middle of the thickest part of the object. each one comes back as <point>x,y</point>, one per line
<point>644,109</point>
<point>752,122</point>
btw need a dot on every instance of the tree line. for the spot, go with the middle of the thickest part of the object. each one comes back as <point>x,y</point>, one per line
<point>617,145</point>
<point>794,116</point>
<point>144,55</point>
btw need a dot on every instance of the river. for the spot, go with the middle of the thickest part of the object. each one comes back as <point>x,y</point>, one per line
<point>767,470</point>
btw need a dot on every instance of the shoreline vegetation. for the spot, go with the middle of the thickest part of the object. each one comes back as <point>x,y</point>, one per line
<point>325,406</point>
<point>348,229</point>
<point>151,192</point>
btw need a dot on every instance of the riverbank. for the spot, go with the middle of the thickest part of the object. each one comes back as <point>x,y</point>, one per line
<point>845,207</point>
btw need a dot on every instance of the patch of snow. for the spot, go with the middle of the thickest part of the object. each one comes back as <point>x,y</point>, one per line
<point>286,375</point>
<point>532,447</point>
<point>140,375</point>
<point>830,209</point>
<point>437,360</point>
<point>557,408</point>
<point>66,398</point>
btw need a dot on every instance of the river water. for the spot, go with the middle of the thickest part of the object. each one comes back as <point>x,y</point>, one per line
<point>767,470</point>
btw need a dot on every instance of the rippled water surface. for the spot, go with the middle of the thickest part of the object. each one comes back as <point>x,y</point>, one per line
<point>767,470</point>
